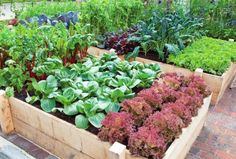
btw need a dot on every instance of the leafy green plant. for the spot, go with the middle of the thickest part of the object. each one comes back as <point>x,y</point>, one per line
<point>46,88</point>
<point>212,55</point>
<point>103,17</point>
<point>219,17</point>
<point>90,89</point>
<point>13,76</point>
<point>163,33</point>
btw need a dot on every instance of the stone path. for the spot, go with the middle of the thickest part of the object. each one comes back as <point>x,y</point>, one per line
<point>217,140</point>
<point>31,149</point>
<point>10,151</point>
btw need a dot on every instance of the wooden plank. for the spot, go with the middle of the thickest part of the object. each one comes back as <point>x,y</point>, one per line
<point>62,131</point>
<point>97,52</point>
<point>92,145</point>
<point>198,72</point>
<point>228,76</point>
<point>54,127</point>
<point>32,115</point>
<point>6,122</point>
<point>180,147</point>
<point>49,143</point>
<point>117,151</point>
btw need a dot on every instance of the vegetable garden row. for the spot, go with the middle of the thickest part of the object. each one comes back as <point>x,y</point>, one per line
<point>56,57</point>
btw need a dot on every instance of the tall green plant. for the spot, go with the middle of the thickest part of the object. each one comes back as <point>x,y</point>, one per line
<point>110,15</point>
<point>219,17</point>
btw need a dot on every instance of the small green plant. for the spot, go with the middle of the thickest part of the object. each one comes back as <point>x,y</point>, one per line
<point>48,8</point>
<point>212,55</point>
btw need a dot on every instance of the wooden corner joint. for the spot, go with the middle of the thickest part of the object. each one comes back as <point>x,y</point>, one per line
<point>198,72</point>
<point>117,151</point>
<point>6,121</point>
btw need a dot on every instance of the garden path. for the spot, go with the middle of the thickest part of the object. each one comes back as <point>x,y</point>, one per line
<point>30,149</point>
<point>217,139</point>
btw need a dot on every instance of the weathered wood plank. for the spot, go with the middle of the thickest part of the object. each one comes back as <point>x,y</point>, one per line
<point>56,128</point>
<point>49,143</point>
<point>180,147</point>
<point>6,122</point>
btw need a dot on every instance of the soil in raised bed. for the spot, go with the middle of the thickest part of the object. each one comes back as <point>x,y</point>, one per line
<point>71,119</point>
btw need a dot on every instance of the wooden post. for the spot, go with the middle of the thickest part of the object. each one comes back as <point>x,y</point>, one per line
<point>117,151</point>
<point>6,122</point>
<point>198,72</point>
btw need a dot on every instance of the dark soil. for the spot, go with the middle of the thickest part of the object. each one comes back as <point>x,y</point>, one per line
<point>150,55</point>
<point>71,119</point>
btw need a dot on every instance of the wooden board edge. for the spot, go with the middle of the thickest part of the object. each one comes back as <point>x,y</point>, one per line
<point>227,78</point>
<point>6,122</point>
<point>63,131</point>
<point>53,145</point>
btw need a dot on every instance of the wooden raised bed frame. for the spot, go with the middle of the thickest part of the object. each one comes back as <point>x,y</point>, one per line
<point>217,84</point>
<point>68,142</point>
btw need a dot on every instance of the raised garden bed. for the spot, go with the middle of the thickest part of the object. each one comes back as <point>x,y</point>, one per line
<point>217,84</point>
<point>66,141</point>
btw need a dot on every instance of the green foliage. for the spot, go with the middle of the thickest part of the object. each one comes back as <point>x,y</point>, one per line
<point>13,76</point>
<point>48,8</point>
<point>219,17</point>
<point>167,33</point>
<point>9,92</point>
<point>212,55</point>
<point>90,89</point>
<point>110,15</point>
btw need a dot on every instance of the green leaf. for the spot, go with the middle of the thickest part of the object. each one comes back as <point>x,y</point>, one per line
<point>31,99</point>
<point>51,82</point>
<point>42,86</point>
<point>81,122</point>
<point>97,119</point>
<point>9,92</point>
<point>39,86</point>
<point>133,54</point>
<point>113,107</point>
<point>102,104</point>
<point>173,49</point>
<point>71,109</point>
<point>134,83</point>
<point>47,104</point>
<point>117,93</point>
